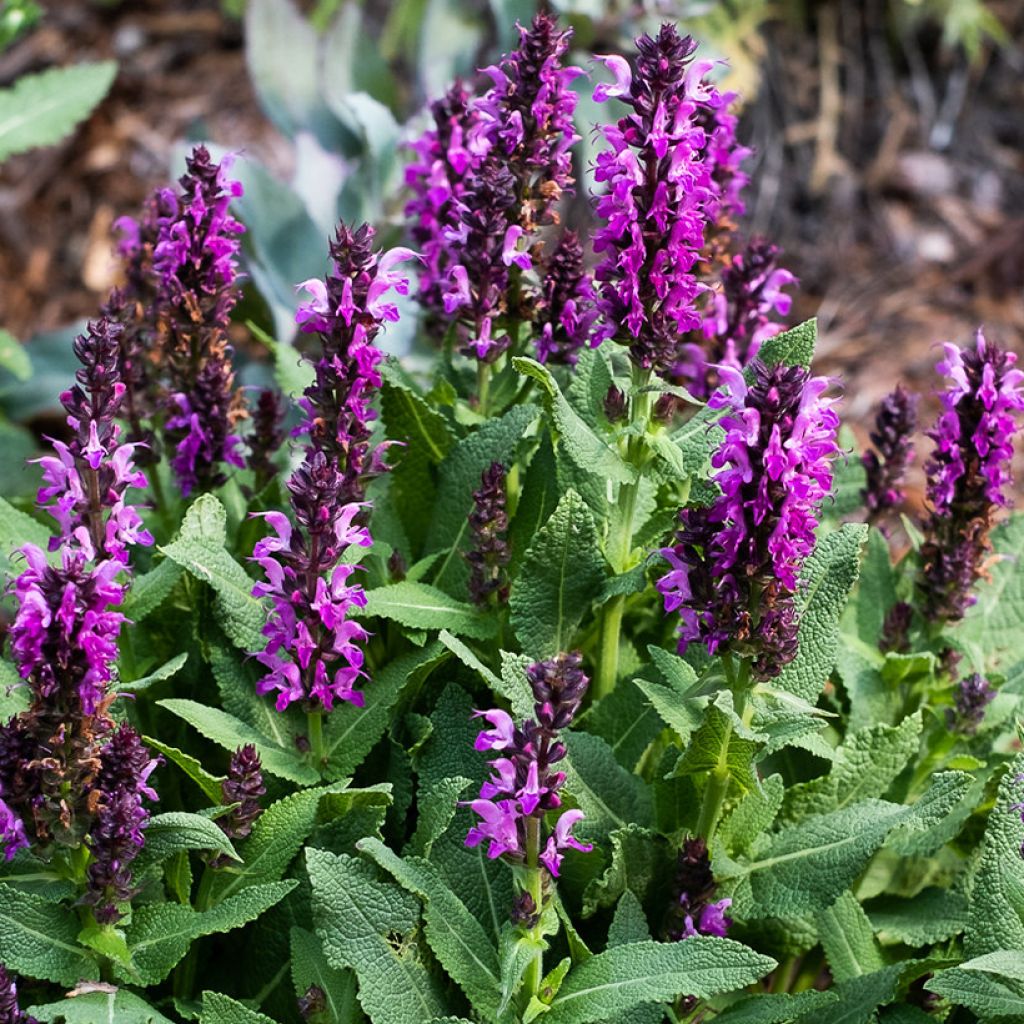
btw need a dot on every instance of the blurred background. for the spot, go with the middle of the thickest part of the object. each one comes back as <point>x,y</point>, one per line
<point>888,137</point>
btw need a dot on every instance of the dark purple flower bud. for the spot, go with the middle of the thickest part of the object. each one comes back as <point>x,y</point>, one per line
<point>968,473</point>
<point>664,410</point>
<point>615,406</point>
<point>886,467</point>
<point>126,763</point>
<point>267,435</point>
<point>896,629</point>
<point>10,1012</point>
<point>313,1004</point>
<point>736,563</point>
<point>525,782</point>
<point>437,178</point>
<point>525,912</point>
<point>695,911</point>
<point>115,840</point>
<point>243,786</point>
<point>348,312</point>
<point>565,308</point>
<point>489,554</point>
<point>973,695</point>
<point>195,258</point>
<point>87,479</point>
<point>654,207</point>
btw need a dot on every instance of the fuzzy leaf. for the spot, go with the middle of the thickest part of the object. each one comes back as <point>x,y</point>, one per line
<point>41,109</point>
<point>17,528</point>
<point>989,997</point>
<point>366,925</point>
<point>151,589</point>
<point>210,784</point>
<point>454,934</point>
<point>410,419</point>
<point>624,977</point>
<point>538,500</point>
<point>828,576</point>
<point>309,966</point>
<point>572,433</point>
<point>178,830</point>
<point>160,933</point>
<point>228,732</point>
<point>933,915</point>
<point>222,1009</point>
<point>794,347</point>
<point>559,578</point>
<point>421,606</point>
<point>859,998</point>
<point>781,1008</point>
<point>848,940</point>
<point>117,1006</point>
<point>40,939</point>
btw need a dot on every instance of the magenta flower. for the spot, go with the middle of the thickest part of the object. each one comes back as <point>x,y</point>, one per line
<point>774,469</point>
<point>12,832</point>
<point>886,466</point>
<point>565,309</point>
<point>562,839</point>
<point>695,911</point>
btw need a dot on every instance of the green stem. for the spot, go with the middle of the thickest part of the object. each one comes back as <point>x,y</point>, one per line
<point>620,547</point>
<point>315,724</point>
<point>185,973</point>
<point>483,386</point>
<point>534,886</point>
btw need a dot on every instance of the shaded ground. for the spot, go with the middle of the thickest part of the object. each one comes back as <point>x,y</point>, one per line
<point>890,170</point>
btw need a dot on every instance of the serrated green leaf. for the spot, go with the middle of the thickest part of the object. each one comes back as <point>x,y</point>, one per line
<point>277,836</point>
<point>538,499</point>
<point>210,784</point>
<point>794,347</point>
<point>559,578</point>
<point>151,589</point>
<point>716,746</point>
<point>624,977</point>
<point>410,419</point>
<point>40,939</point>
<point>609,796</point>
<point>41,109</point>
<point>572,433</point>
<point>366,924</point>
<point>637,860</point>
<point>990,998</point>
<point>309,966</point>
<point>625,721</point>
<point>179,830</point>
<point>859,998</point>
<point>222,1009</point>
<point>166,671</point>
<point>780,1008</point>
<point>118,1006</point>
<point>828,576</point>
<point>752,815</point>
<point>17,528</point>
<point>240,615</point>
<point>436,805</point>
<point>421,606</point>
<point>848,940</point>
<point>934,915</point>
<point>160,933</point>
<point>457,938</point>
<point>995,914</point>
<point>228,732</point>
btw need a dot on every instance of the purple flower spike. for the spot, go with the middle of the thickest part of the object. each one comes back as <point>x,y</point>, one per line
<point>968,473</point>
<point>654,208</point>
<point>489,556</point>
<point>695,911</point>
<point>12,832</point>
<point>886,467</point>
<point>566,311</point>
<point>973,696</point>
<point>196,260</point>
<point>736,563</point>
<point>525,782</point>
<point>10,1012</point>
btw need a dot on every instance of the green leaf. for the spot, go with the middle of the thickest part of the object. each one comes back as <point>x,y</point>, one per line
<point>421,606</point>
<point>538,500</point>
<point>996,914</point>
<point>980,991</point>
<point>794,347</point>
<point>624,977</point>
<point>367,925</point>
<point>14,357</point>
<point>351,732</point>
<point>716,745</point>
<point>150,590</point>
<point>160,933</point>
<point>277,836</point>
<point>41,109</point>
<point>116,1006</point>
<point>572,433</point>
<point>559,578</point>
<point>807,866</point>
<point>40,939</point>
<point>239,613</point>
<point>222,1009</point>
<point>408,417</point>
<point>933,915</point>
<point>228,732</point>
<point>829,575</point>
<point>309,966</point>
<point>609,796</point>
<point>210,784</point>
<point>178,830</point>
<point>166,671</point>
<point>436,806</point>
<point>781,1008</point>
<point>859,997</point>
<point>457,938</point>
<point>848,940</point>
<point>17,528</point>
<point>638,860</point>
<point>752,815</point>
<point>625,721</point>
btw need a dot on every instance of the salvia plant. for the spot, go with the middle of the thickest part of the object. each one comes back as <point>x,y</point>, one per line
<point>580,671</point>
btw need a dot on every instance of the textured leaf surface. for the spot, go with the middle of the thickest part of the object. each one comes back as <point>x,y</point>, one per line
<point>209,783</point>
<point>781,1008</point>
<point>161,933</point>
<point>366,924</point>
<point>421,606</point>
<point>847,938</point>
<point>828,576</point>
<point>222,1009</point>
<point>117,1007</point>
<point>179,830</point>
<point>455,935</point>
<point>228,732</point>
<point>859,998</point>
<point>309,966</point>
<point>989,996</point>
<point>39,939</point>
<point>410,419</point>
<point>560,577</point>
<point>41,109</point>
<point>150,590</point>
<point>626,976</point>
<point>931,916</point>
